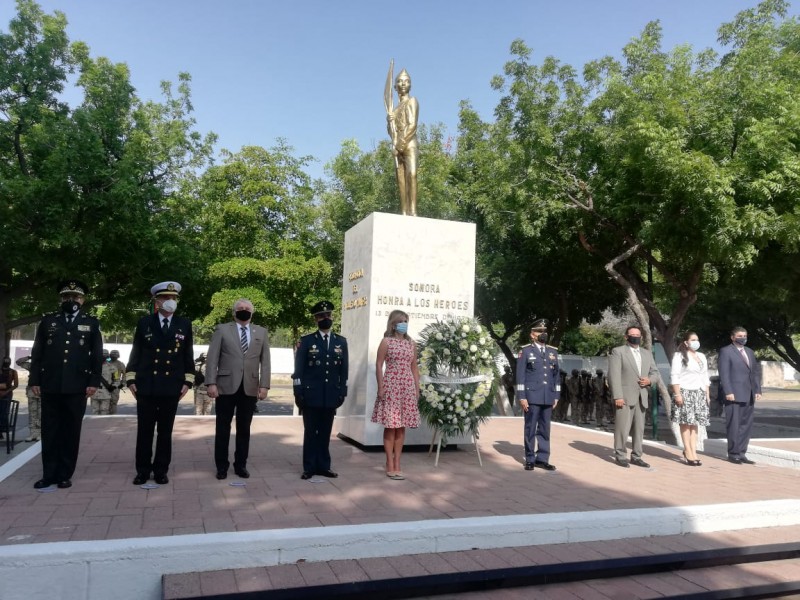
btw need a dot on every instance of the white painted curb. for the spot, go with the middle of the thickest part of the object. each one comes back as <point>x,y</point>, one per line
<point>131,569</point>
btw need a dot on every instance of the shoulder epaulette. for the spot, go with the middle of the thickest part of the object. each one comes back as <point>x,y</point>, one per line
<point>553,347</point>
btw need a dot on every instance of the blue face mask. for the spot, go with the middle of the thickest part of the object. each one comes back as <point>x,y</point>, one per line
<point>401,328</point>
<point>740,340</point>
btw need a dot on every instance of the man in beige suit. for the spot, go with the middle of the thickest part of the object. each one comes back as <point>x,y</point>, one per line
<point>631,370</point>
<point>237,376</point>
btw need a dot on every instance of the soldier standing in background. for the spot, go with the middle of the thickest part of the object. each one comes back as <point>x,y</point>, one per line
<point>101,401</point>
<point>34,404</point>
<point>202,403</point>
<point>573,392</point>
<point>118,380</point>
<point>599,387</point>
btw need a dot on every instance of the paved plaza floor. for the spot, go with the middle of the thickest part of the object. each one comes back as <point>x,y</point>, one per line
<point>104,505</point>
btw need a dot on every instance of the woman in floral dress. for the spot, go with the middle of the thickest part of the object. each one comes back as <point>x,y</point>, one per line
<point>398,389</point>
<point>690,383</point>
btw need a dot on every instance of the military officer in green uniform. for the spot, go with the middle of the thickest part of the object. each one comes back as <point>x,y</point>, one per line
<point>66,362</point>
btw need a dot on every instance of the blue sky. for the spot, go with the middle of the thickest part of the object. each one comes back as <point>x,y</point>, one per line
<point>313,71</point>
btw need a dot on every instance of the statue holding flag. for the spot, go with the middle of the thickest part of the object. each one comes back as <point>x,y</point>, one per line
<point>402,127</point>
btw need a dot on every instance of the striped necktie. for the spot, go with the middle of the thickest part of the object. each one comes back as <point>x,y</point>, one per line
<point>244,340</point>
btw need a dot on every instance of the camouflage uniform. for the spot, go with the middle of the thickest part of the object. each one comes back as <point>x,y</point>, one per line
<point>34,405</point>
<point>101,401</point>
<point>203,405</point>
<point>119,380</point>
<point>573,391</point>
<point>599,387</point>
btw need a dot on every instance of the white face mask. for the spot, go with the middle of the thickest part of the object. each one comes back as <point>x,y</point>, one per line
<point>694,345</point>
<point>169,306</point>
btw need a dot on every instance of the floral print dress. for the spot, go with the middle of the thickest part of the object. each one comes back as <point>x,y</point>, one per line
<point>398,407</point>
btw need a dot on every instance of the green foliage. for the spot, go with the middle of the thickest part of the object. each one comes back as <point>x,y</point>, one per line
<point>590,340</point>
<point>682,162</point>
<point>85,188</point>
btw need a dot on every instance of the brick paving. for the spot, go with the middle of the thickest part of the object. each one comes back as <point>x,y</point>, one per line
<point>103,504</point>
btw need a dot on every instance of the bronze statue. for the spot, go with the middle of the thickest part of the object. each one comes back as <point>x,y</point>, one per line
<point>402,127</point>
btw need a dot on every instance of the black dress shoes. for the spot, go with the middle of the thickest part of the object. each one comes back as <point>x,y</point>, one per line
<point>639,463</point>
<point>140,479</point>
<point>306,475</point>
<point>42,483</point>
<point>242,472</point>
<point>747,461</point>
<point>735,460</point>
<point>622,462</point>
<point>161,479</point>
<point>222,474</point>
<point>66,483</point>
<point>328,473</point>
<point>546,466</point>
<point>529,466</point>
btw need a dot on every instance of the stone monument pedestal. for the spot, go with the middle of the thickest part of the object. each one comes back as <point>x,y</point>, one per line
<point>424,267</point>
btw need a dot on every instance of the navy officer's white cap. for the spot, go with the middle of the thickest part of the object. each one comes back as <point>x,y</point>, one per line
<point>166,287</point>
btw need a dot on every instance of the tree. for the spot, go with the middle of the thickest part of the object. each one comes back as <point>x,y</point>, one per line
<point>256,234</point>
<point>675,162</point>
<point>85,186</point>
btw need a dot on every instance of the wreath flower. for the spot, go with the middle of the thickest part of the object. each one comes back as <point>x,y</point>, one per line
<point>458,375</point>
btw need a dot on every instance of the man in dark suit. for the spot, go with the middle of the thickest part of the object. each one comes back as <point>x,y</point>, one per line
<point>631,371</point>
<point>160,372</point>
<point>538,392</point>
<point>237,375</point>
<point>740,388</point>
<point>320,387</point>
<point>66,360</point>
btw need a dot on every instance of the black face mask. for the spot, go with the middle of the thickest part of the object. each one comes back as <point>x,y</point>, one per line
<point>542,339</point>
<point>325,323</point>
<point>70,306</point>
<point>634,340</point>
<point>243,315</point>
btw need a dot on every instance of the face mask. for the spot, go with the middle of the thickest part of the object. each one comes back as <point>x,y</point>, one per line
<point>6,364</point>
<point>325,323</point>
<point>740,340</point>
<point>70,306</point>
<point>634,340</point>
<point>169,306</point>
<point>542,338</point>
<point>243,315</point>
<point>401,328</point>
<point>694,345</point>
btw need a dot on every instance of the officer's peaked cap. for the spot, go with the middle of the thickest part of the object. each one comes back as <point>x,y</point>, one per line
<point>324,306</point>
<point>540,324</point>
<point>165,287</point>
<point>72,286</point>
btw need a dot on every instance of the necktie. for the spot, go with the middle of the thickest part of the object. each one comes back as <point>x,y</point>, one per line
<point>69,319</point>
<point>325,339</point>
<point>244,340</point>
<point>744,356</point>
<point>638,358</point>
<point>165,325</point>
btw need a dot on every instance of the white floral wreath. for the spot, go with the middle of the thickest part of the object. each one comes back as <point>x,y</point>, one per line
<point>457,375</point>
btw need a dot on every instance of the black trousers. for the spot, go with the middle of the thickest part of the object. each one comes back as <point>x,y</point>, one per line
<point>738,424</point>
<point>154,413</point>
<point>62,418</point>
<point>244,407</point>
<point>317,424</point>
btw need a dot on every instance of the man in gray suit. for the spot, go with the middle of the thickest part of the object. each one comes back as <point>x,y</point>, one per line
<point>740,388</point>
<point>631,370</point>
<point>237,376</point>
